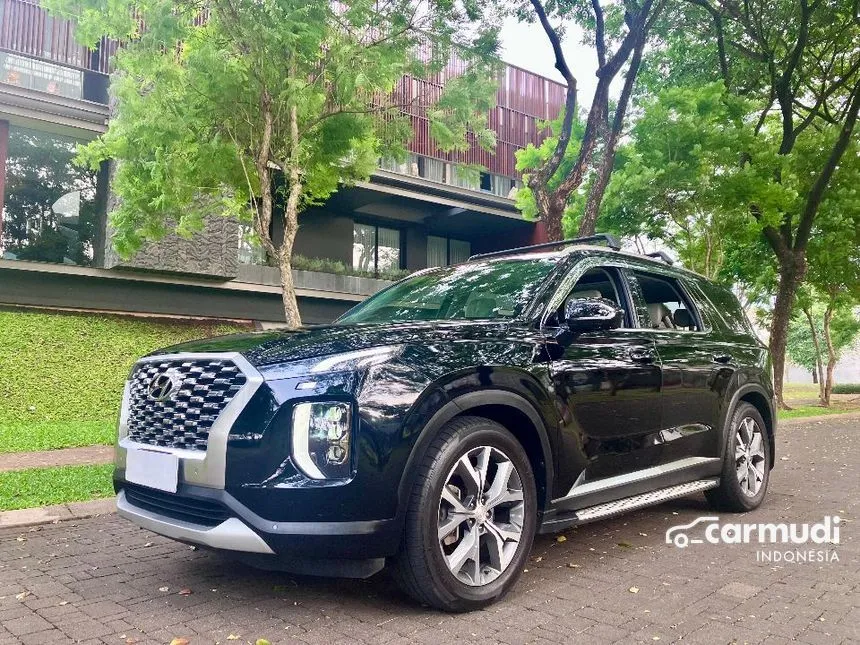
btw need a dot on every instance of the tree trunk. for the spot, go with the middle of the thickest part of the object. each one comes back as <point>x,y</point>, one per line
<point>552,218</point>
<point>291,226</point>
<point>831,355</point>
<point>818,371</point>
<point>588,225</point>
<point>288,291</point>
<point>790,275</point>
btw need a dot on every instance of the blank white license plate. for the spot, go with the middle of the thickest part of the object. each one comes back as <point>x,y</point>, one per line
<point>152,469</point>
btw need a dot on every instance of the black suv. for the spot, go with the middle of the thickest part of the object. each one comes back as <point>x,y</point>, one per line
<point>443,422</point>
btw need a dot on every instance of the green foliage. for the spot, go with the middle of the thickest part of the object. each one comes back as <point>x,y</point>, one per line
<point>696,165</point>
<point>202,109</point>
<point>45,486</point>
<point>325,265</point>
<point>533,157</point>
<point>61,376</point>
<point>846,388</point>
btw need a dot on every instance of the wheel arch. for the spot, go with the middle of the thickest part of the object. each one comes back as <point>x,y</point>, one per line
<point>508,409</point>
<point>756,396</point>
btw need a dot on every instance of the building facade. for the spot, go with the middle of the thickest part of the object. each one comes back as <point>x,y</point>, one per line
<point>55,246</point>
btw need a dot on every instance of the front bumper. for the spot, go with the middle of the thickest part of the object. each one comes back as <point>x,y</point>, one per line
<point>231,534</point>
<point>214,518</point>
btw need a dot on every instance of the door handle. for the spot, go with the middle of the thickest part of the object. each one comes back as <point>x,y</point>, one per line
<point>642,355</point>
<point>725,359</point>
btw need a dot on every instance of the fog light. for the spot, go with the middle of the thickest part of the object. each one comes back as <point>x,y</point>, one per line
<point>322,439</point>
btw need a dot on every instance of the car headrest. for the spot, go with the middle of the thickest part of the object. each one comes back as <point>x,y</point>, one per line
<point>587,293</point>
<point>682,318</point>
<point>480,307</point>
<point>661,317</point>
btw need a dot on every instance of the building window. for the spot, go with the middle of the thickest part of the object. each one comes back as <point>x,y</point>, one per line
<point>50,209</point>
<point>250,249</point>
<point>442,251</point>
<point>375,249</point>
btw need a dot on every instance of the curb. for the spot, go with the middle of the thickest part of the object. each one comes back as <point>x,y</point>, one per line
<point>52,514</point>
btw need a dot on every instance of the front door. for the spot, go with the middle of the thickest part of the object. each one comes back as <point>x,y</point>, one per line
<point>608,387</point>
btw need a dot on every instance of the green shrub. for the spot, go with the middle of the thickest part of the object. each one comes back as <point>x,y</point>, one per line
<point>58,368</point>
<point>846,388</point>
<point>325,265</point>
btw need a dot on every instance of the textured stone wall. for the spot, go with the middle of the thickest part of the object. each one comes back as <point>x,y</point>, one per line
<point>213,252</point>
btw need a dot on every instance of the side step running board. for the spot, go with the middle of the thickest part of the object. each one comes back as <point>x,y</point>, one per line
<point>645,499</point>
<point>619,506</point>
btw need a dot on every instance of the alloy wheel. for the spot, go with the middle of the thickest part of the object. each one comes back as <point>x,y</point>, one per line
<point>481,516</point>
<point>750,456</point>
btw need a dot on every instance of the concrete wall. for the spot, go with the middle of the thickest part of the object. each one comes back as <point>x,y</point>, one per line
<point>121,291</point>
<point>212,252</point>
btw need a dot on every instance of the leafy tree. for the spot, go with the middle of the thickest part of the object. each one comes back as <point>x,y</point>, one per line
<point>835,321</point>
<point>260,108</point>
<point>557,169</point>
<point>798,65</point>
<point>675,184</point>
<point>834,267</point>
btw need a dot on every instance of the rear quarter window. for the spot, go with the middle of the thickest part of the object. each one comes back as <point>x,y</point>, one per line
<point>722,308</point>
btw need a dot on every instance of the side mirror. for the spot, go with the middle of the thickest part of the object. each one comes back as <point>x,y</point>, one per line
<point>592,314</point>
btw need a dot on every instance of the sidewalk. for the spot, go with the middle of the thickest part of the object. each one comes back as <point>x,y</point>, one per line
<point>86,456</point>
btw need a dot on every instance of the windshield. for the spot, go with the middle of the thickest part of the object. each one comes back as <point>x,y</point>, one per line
<point>478,290</point>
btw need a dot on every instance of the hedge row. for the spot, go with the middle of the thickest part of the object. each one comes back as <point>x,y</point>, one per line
<point>71,367</point>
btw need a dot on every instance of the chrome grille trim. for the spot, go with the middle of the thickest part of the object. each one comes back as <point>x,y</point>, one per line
<point>183,419</point>
<point>200,467</point>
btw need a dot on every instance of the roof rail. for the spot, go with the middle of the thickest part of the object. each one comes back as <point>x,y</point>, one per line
<point>610,240</point>
<point>661,255</point>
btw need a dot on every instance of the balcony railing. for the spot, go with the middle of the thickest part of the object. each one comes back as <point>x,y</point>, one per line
<point>26,28</point>
<point>523,98</point>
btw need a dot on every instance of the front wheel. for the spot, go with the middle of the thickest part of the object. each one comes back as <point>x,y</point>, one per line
<point>471,517</point>
<point>746,463</point>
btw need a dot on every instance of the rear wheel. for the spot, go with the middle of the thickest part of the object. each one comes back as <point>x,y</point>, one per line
<point>471,517</point>
<point>746,464</point>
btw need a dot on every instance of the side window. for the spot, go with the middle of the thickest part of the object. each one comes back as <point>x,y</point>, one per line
<point>666,304</point>
<point>596,283</point>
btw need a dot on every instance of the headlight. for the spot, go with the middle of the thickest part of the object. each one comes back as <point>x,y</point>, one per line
<point>322,439</point>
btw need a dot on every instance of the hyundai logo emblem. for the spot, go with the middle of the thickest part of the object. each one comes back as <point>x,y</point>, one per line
<point>163,386</point>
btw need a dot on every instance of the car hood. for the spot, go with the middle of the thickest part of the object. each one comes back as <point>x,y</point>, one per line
<point>281,346</point>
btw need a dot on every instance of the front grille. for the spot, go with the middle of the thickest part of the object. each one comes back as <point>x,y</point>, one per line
<point>186,509</point>
<point>202,389</point>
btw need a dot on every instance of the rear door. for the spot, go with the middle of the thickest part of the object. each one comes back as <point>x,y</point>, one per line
<point>697,367</point>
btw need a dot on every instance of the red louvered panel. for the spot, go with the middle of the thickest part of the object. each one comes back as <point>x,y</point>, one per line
<point>26,28</point>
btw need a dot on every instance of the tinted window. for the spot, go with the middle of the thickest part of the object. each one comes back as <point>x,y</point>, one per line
<point>725,309</point>
<point>667,305</point>
<point>480,290</point>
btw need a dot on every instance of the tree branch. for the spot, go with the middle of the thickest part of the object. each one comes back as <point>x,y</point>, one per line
<point>816,194</point>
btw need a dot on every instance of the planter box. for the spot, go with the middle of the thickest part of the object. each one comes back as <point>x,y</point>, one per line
<point>313,280</point>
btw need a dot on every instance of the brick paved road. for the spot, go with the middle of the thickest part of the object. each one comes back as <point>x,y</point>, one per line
<point>105,581</point>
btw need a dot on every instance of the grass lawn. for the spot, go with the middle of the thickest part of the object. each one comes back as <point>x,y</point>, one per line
<point>799,411</point>
<point>62,374</point>
<point>30,436</point>
<point>46,486</point>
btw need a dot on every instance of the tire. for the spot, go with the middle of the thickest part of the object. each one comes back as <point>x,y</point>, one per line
<point>447,496</point>
<point>743,490</point>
